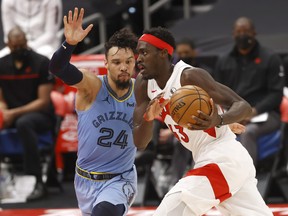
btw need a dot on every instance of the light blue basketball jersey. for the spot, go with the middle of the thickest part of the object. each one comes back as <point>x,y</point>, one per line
<point>105,140</point>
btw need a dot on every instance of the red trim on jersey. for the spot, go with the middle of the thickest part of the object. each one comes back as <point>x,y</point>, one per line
<point>18,77</point>
<point>157,42</point>
<point>216,179</point>
<point>211,132</point>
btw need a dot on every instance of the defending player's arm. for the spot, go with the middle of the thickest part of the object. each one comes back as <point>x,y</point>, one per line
<point>60,62</point>
<point>87,83</point>
<point>237,108</point>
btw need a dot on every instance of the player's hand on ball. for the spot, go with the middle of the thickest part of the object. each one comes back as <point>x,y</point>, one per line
<point>205,121</point>
<point>155,107</point>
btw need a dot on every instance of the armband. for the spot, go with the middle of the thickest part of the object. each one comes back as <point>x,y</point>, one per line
<point>60,65</point>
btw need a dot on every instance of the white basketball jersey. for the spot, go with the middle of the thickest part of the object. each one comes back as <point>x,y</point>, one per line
<point>198,140</point>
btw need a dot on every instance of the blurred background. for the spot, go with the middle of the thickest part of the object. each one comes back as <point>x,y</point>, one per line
<point>209,24</point>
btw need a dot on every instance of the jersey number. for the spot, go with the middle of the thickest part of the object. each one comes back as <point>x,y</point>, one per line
<point>182,136</point>
<point>108,134</point>
<point>178,130</point>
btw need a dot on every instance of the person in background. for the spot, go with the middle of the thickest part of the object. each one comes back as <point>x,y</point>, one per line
<point>105,180</point>
<point>223,175</point>
<point>187,52</point>
<point>257,75</point>
<point>25,87</point>
<point>39,19</point>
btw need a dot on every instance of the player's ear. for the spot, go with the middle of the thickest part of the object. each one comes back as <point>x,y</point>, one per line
<point>164,53</point>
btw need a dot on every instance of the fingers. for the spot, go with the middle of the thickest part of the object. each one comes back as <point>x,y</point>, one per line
<point>65,20</point>
<point>81,15</point>
<point>237,128</point>
<point>70,16</point>
<point>212,106</point>
<point>75,16</point>
<point>88,29</point>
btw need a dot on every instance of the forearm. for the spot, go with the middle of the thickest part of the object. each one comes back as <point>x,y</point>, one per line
<point>34,106</point>
<point>238,111</point>
<point>60,65</point>
<point>142,134</point>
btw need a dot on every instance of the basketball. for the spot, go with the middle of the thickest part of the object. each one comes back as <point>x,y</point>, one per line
<point>186,101</point>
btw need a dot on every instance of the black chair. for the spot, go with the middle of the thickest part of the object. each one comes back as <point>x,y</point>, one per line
<point>11,150</point>
<point>269,150</point>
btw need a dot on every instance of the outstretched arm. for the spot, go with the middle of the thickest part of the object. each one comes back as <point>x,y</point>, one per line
<point>87,83</point>
<point>74,33</point>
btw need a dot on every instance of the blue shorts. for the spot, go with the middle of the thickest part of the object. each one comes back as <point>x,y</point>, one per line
<point>121,189</point>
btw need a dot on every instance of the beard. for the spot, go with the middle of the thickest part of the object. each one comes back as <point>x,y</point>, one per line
<point>122,84</point>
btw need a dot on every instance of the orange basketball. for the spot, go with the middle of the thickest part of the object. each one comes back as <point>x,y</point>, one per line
<point>185,102</point>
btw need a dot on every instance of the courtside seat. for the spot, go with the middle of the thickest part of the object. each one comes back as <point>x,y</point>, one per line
<point>11,145</point>
<point>269,149</point>
<point>11,150</point>
<point>269,144</point>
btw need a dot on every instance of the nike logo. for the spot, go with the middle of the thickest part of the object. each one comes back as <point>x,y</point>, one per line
<point>153,91</point>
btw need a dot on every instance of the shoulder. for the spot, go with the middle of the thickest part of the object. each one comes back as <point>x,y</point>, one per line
<point>140,82</point>
<point>140,89</point>
<point>194,76</point>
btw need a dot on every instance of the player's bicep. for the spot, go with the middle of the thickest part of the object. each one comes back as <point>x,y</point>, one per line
<point>220,93</point>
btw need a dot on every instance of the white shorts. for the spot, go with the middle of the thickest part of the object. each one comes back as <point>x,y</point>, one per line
<point>230,186</point>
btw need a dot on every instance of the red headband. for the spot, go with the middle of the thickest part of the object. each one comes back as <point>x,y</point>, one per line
<point>157,42</point>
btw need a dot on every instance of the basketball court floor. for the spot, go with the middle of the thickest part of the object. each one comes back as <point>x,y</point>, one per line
<point>278,210</point>
<point>63,203</point>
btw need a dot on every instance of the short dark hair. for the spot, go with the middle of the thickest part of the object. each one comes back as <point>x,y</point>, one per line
<point>124,38</point>
<point>163,34</point>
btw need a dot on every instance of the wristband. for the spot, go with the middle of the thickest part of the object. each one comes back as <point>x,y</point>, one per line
<point>60,65</point>
<point>221,121</point>
<point>68,47</point>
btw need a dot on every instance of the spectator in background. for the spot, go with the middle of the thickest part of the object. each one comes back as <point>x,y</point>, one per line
<point>25,86</point>
<point>187,52</point>
<point>257,75</point>
<point>39,19</point>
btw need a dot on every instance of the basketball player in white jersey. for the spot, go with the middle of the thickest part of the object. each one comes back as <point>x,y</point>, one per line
<point>224,174</point>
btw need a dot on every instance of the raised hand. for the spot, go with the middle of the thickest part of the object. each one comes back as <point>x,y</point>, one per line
<point>73,31</point>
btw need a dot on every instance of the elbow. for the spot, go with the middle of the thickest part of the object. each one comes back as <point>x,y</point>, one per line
<point>140,145</point>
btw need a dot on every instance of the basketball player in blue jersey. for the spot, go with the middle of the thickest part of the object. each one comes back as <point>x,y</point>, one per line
<point>223,175</point>
<point>105,179</point>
